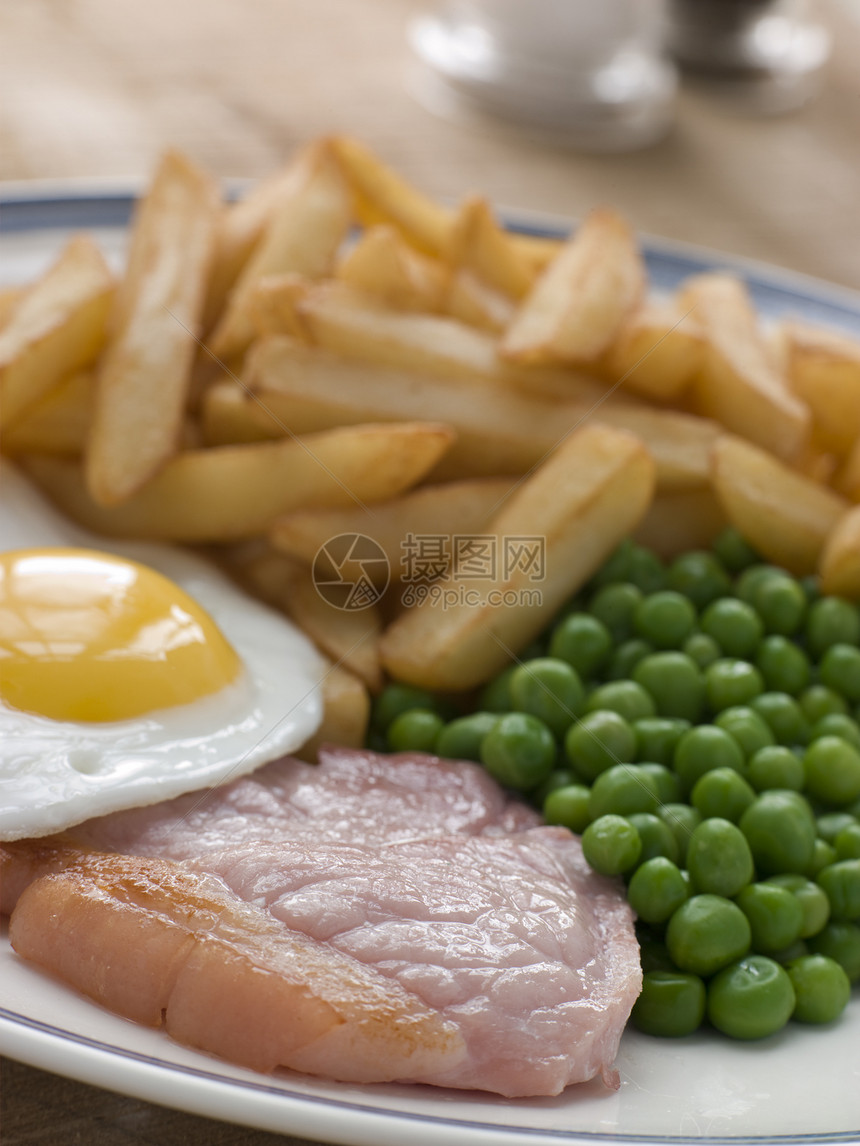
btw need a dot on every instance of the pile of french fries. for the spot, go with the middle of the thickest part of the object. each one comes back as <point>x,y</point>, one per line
<point>337,353</point>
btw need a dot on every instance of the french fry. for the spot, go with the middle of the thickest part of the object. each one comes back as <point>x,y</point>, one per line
<point>500,429</point>
<point>680,520</point>
<point>739,384</point>
<point>823,369</point>
<point>657,352</point>
<point>9,299</point>
<point>237,491</point>
<point>470,300</point>
<point>582,501</point>
<point>273,305</point>
<point>145,372</point>
<point>240,227</point>
<point>839,567</point>
<point>847,477</point>
<point>302,237</point>
<point>456,508</point>
<point>581,300</point>
<point>346,713</point>
<point>56,327</point>
<point>58,423</point>
<point>477,243</point>
<point>384,266</point>
<point>349,636</point>
<point>784,515</point>
<point>231,417</point>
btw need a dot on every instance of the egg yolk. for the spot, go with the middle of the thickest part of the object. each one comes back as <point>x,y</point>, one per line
<point>91,637</point>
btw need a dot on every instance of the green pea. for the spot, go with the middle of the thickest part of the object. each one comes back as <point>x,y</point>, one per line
<point>831,824</point>
<point>841,884</point>
<point>734,625</point>
<point>751,999</point>
<point>702,650</point>
<point>625,697</point>
<point>719,859</point>
<point>616,566</point>
<point>734,551</point>
<point>823,855</point>
<point>837,724</point>
<point>840,941</point>
<point>646,570</point>
<point>396,698</point>
<point>583,641</point>
<point>775,916</point>
<point>656,836</point>
<point>671,1004</point>
<point>781,603</point>
<point>682,820</point>
<point>819,701</point>
<point>626,657</point>
<point>657,737</point>
<point>496,694</point>
<point>784,666</point>
<point>847,842</point>
<point>704,748</point>
<point>752,578</point>
<point>821,989</point>
<point>622,790</point>
<point>729,682</point>
<point>784,715</point>
<point>415,730</point>
<point>615,605</point>
<point>674,682</point>
<point>461,739</point>
<point>657,889</point>
<point>780,829</point>
<point>831,621</point>
<point>706,933</point>
<point>776,766</point>
<point>665,619</point>
<point>611,845</point>
<point>519,751</point>
<point>668,784</point>
<point>549,689</point>
<point>699,576</point>
<point>568,806</point>
<point>559,777</point>
<point>812,899</point>
<point>750,730</point>
<point>840,670</point>
<point>597,741</point>
<point>832,770</point>
<point>724,793</point>
<point>652,952</point>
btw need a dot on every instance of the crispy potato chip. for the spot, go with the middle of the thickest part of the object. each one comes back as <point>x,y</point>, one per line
<point>823,369</point>
<point>839,567</point>
<point>302,237</point>
<point>58,423</point>
<point>588,495</point>
<point>56,327</point>
<point>580,302</point>
<point>237,491</point>
<point>144,374</point>
<point>782,514</point>
<point>459,508</point>
<point>739,384</point>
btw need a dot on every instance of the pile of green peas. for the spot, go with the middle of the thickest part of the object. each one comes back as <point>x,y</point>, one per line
<point>698,724</point>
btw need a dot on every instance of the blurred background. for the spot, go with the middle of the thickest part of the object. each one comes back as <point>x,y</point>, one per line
<point>96,88</point>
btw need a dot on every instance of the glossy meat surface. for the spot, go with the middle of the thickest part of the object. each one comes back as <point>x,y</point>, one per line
<point>419,875</point>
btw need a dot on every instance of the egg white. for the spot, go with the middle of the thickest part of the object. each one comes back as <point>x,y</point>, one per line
<point>54,774</point>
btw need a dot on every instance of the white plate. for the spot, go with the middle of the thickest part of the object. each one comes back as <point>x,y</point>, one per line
<point>802,1085</point>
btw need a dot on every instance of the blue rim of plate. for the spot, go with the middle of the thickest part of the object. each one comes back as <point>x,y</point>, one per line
<point>776,293</point>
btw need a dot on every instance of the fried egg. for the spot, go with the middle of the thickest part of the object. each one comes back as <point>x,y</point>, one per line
<point>131,673</point>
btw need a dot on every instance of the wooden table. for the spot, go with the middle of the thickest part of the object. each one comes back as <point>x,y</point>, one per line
<point>99,87</point>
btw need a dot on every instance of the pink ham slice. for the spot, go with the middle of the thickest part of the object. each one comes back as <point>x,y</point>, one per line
<point>373,918</point>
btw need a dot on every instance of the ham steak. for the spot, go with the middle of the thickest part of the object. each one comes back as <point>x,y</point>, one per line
<point>372,918</point>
